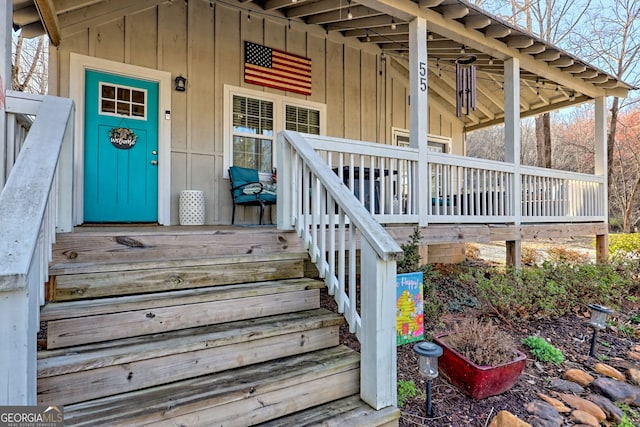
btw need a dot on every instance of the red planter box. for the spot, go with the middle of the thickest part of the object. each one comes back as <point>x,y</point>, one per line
<point>478,381</point>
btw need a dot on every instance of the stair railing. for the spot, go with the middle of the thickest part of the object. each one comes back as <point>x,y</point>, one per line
<point>38,189</point>
<point>334,226</point>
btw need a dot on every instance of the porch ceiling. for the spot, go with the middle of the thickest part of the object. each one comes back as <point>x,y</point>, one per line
<point>551,78</point>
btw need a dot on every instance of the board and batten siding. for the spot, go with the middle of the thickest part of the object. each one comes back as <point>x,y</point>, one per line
<point>364,95</point>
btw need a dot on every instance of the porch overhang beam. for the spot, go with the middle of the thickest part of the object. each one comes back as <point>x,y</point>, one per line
<point>49,17</point>
<point>381,31</point>
<point>358,13</point>
<point>474,39</point>
<point>306,9</point>
<point>499,118</point>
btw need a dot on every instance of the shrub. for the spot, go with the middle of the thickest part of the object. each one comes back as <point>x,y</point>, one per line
<point>551,290</point>
<point>471,251</point>
<point>543,350</point>
<point>410,261</point>
<point>624,244</point>
<point>518,295</point>
<point>481,342</point>
<point>564,255</point>
<point>529,256</point>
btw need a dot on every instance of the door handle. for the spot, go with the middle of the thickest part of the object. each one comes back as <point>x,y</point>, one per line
<point>154,162</point>
<point>154,152</point>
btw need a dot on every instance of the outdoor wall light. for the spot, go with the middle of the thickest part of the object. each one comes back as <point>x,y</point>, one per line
<point>181,83</point>
<point>428,354</point>
<point>598,322</point>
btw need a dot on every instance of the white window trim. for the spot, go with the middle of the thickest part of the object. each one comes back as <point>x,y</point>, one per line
<point>279,104</point>
<point>396,132</point>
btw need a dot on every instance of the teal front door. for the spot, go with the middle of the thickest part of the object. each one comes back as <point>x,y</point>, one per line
<point>120,149</point>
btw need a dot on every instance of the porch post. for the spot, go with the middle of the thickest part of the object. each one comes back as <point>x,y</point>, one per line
<point>512,148</point>
<point>600,150</point>
<point>419,112</point>
<point>6,29</point>
<point>378,365</point>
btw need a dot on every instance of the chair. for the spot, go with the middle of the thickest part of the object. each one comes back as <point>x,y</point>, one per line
<point>247,190</point>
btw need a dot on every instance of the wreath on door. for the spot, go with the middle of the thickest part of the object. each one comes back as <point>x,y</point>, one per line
<point>123,138</point>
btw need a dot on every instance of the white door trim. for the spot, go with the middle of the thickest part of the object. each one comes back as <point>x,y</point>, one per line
<point>78,65</point>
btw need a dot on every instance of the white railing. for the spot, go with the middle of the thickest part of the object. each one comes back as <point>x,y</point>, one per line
<point>460,189</point>
<point>557,196</point>
<point>466,189</point>
<point>18,126</point>
<point>29,214</point>
<point>334,225</point>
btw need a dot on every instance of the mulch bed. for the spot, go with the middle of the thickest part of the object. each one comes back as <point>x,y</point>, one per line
<point>571,334</point>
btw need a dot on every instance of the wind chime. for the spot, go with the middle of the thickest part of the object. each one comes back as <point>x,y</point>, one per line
<point>465,85</point>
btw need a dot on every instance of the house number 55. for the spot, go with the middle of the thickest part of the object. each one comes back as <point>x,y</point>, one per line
<point>423,76</point>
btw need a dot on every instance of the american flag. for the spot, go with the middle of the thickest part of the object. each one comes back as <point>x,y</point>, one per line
<point>277,69</point>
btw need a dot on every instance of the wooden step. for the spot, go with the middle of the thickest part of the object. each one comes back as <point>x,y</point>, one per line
<point>89,372</point>
<point>240,397</point>
<point>156,313</point>
<point>350,411</point>
<point>97,281</point>
<point>81,308</point>
<point>99,245</point>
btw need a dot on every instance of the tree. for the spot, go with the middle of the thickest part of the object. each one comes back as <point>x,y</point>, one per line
<point>29,70</point>
<point>612,40</point>
<point>625,171</point>
<point>553,21</point>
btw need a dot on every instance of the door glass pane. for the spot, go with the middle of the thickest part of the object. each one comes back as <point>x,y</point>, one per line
<point>122,101</point>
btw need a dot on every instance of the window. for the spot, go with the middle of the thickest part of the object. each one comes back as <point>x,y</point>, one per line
<point>253,120</point>
<point>302,119</point>
<point>122,101</point>
<point>253,134</point>
<point>437,144</point>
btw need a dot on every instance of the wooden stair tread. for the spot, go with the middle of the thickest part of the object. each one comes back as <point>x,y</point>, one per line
<point>350,411</point>
<point>128,350</point>
<point>81,376</point>
<point>160,243</point>
<point>81,308</point>
<point>158,277</point>
<point>243,396</point>
<point>111,326</point>
<point>166,262</point>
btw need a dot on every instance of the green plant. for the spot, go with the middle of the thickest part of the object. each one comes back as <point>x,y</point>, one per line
<point>630,415</point>
<point>410,261</point>
<point>603,358</point>
<point>543,350</point>
<point>635,318</point>
<point>624,243</point>
<point>551,290</point>
<point>406,390</point>
<point>631,298</point>
<point>626,330</point>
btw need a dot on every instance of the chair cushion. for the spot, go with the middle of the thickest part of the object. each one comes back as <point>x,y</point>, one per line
<point>246,182</point>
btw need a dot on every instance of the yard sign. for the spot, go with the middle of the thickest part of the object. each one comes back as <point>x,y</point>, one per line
<point>409,308</point>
